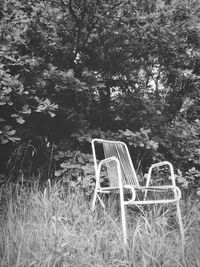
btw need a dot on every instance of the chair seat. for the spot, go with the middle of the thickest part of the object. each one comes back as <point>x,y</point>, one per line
<point>142,196</point>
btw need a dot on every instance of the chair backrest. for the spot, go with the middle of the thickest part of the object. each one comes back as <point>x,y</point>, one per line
<point>120,151</point>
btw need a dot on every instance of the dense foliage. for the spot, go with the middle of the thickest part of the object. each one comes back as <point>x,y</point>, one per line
<point>76,69</point>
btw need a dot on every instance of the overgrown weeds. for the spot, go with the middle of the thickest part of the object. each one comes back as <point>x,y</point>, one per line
<point>49,228</point>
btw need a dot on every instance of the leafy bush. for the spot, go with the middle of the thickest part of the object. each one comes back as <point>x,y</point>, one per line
<point>189,182</point>
<point>116,70</point>
<point>181,143</point>
<point>141,146</point>
<point>77,171</point>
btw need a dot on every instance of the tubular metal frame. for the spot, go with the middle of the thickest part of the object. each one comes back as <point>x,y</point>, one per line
<point>98,189</point>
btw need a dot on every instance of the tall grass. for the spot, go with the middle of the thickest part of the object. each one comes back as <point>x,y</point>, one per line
<point>50,228</point>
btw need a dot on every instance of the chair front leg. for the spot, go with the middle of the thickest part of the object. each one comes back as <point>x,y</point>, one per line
<point>181,226</point>
<point>123,220</point>
<point>94,198</point>
<point>95,195</point>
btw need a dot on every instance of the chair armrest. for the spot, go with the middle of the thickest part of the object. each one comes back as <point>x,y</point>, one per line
<point>107,160</point>
<point>120,185</point>
<point>103,162</point>
<point>133,194</point>
<point>157,165</point>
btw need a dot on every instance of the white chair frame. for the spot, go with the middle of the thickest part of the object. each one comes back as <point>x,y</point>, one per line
<point>99,190</point>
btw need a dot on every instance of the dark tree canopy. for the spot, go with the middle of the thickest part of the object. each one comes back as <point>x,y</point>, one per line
<point>76,69</point>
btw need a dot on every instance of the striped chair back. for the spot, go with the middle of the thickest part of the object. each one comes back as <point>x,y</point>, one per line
<point>120,151</point>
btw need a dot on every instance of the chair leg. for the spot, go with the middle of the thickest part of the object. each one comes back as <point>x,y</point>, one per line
<point>94,197</point>
<point>181,226</point>
<point>123,220</point>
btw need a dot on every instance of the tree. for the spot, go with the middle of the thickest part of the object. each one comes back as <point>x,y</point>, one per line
<point>70,65</point>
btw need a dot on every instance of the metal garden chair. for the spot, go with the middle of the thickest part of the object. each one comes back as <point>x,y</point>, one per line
<point>122,177</point>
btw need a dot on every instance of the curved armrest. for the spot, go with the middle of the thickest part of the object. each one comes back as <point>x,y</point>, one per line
<point>157,165</point>
<point>133,194</point>
<point>121,186</point>
<point>104,161</point>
